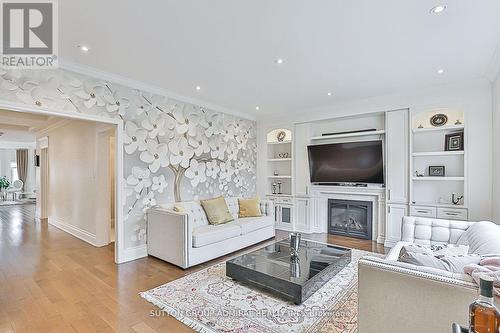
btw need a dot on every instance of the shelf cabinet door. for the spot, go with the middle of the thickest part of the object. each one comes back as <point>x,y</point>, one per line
<point>397,136</point>
<point>394,220</point>
<point>302,214</point>
<point>286,214</point>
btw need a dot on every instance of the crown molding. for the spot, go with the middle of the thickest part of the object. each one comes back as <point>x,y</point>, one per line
<point>17,145</point>
<point>127,82</point>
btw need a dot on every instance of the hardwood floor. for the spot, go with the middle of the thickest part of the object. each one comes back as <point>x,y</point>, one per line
<point>51,281</point>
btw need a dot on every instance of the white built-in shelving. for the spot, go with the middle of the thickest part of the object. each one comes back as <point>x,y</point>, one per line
<point>438,179</point>
<point>427,148</point>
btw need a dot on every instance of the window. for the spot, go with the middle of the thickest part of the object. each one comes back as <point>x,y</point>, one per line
<point>13,171</point>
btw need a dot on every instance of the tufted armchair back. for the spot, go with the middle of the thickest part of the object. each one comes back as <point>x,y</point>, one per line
<point>430,231</point>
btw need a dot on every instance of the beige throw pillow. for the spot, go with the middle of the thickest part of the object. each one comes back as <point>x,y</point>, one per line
<point>249,207</point>
<point>216,210</point>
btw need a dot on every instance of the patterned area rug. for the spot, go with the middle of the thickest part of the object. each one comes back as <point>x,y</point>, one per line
<point>208,301</point>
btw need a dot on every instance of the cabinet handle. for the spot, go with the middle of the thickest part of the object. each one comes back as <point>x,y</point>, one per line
<point>389,194</point>
<point>389,209</point>
<point>423,211</point>
<point>451,214</point>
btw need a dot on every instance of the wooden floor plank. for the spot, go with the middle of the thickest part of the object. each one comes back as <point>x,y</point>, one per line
<point>51,281</point>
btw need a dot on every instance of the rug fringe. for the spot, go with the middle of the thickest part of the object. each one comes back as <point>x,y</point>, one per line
<point>195,325</point>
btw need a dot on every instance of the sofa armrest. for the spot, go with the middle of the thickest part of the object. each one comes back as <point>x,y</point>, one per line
<point>267,207</point>
<point>169,236</point>
<point>396,298</point>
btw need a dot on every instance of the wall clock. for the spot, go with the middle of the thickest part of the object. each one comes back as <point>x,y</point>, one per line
<point>439,119</point>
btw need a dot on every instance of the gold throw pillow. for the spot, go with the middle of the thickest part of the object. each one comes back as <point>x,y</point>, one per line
<point>249,207</point>
<point>216,210</point>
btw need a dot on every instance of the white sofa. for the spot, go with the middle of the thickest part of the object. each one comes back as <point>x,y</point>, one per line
<point>186,238</point>
<point>400,297</point>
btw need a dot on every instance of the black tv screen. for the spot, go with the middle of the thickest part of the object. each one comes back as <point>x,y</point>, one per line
<point>349,162</point>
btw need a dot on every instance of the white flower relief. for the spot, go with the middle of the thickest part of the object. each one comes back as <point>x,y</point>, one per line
<point>159,183</point>
<point>199,143</point>
<point>155,124</point>
<point>180,152</point>
<point>33,95</point>
<point>196,172</point>
<point>226,171</point>
<point>116,104</point>
<point>139,179</point>
<point>156,155</point>
<point>92,94</point>
<point>232,153</point>
<point>140,233</point>
<point>228,132</point>
<point>218,148</point>
<point>238,181</point>
<point>5,83</point>
<point>134,138</point>
<point>214,125</point>
<point>127,192</point>
<point>212,169</point>
<point>192,121</point>
<point>148,201</point>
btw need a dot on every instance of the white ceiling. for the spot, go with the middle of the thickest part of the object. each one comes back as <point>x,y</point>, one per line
<point>20,127</point>
<point>355,49</point>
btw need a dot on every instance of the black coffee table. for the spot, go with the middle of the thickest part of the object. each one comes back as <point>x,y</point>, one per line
<point>274,270</point>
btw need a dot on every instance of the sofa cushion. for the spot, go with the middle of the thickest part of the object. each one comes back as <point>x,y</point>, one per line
<point>249,207</point>
<point>217,210</point>
<point>249,224</point>
<point>482,237</point>
<point>234,207</point>
<point>195,212</point>
<point>453,264</point>
<point>209,234</point>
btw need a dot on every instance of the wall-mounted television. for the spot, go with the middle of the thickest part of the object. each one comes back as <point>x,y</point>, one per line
<point>347,162</point>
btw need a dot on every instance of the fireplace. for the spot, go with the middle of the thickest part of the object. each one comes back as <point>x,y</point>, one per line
<point>350,218</point>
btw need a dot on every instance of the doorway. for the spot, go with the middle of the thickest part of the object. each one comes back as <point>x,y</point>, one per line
<point>106,168</point>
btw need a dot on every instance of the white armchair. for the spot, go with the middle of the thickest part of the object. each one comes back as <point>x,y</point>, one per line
<point>399,297</point>
<point>15,188</point>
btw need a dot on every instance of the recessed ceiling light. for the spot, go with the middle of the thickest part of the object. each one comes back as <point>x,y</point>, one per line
<point>198,88</point>
<point>329,93</point>
<point>257,108</point>
<point>440,71</point>
<point>279,61</point>
<point>84,48</point>
<point>438,9</point>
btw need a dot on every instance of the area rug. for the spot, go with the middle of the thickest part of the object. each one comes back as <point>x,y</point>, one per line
<point>209,302</point>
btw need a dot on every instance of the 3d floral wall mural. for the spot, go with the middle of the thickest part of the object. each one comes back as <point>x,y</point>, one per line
<point>174,150</point>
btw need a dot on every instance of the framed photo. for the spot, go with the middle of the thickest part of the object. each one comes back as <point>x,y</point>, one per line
<point>454,141</point>
<point>436,171</point>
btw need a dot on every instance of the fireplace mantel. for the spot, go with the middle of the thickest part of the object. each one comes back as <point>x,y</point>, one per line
<point>319,205</point>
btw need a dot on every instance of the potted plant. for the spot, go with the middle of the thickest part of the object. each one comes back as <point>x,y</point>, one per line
<point>4,184</point>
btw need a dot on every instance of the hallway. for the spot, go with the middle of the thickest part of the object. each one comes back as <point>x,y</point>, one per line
<point>51,281</point>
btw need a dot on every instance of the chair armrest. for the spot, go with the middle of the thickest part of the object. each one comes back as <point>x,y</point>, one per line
<point>169,236</point>
<point>395,298</point>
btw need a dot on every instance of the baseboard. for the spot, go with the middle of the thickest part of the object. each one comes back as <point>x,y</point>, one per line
<point>75,231</point>
<point>133,253</point>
